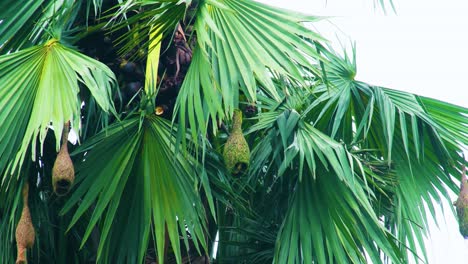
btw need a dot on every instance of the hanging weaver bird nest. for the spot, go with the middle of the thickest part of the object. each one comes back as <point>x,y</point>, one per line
<point>63,172</point>
<point>462,205</point>
<point>236,150</point>
<point>24,230</point>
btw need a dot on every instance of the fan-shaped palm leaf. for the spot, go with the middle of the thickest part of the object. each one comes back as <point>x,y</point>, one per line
<point>24,23</point>
<point>40,87</point>
<point>240,45</point>
<point>330,218</point>
<point>143,182</point>
<point>369,119</point>
<point>146,18</point>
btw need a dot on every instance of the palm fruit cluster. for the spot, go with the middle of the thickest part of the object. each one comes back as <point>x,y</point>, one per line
<point>236,150</point>
<point>129,68</point>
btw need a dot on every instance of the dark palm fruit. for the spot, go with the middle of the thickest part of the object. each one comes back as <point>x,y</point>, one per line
<point>236,150</point>
<point>63,172</point>
<point>25,232</point>
<point>462,205</point>
<point>128,66</point>
<point>132,88</point>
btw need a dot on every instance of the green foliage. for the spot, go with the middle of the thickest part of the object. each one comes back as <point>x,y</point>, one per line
<point>240,44</point>
<point>340,171</point>
<point>40,87</point>
<point>142,178</point>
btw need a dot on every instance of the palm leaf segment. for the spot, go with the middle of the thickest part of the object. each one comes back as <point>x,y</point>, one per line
<point>143,181</point>
<point>353,176</point>
<point>240,45</point>
<point>40,87</point>
<point>27,23</point>
<point>158,18</point>
<point>330,218</point>
<point>408,132</point>
<point>18,19</point>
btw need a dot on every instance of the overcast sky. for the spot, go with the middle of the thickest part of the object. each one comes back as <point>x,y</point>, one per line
<point>423,49</point>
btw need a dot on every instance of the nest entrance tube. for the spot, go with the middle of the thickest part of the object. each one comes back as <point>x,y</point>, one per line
<point>63,172</point>
<point>239,168</point>
<point>236,150</point>
<point>62,187</point>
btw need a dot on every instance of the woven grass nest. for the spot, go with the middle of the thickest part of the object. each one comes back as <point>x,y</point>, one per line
<point>236,150</point>
<point>63,172</point>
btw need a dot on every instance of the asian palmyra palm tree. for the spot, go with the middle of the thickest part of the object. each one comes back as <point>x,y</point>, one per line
<point>333,170</point>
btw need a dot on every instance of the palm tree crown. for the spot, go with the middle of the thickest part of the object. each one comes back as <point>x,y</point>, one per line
<point>220,131</point>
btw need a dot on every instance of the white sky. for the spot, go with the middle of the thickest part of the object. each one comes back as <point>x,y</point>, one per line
<point>422,49</point>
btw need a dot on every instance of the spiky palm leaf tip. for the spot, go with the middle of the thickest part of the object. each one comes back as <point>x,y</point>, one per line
<point>236,150</point>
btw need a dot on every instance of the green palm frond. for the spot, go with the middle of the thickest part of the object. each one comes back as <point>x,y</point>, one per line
<point>451,120</point>
<point>384,4</point>
<point>390,153</point>
<point>96,6</point>
<point>324,223</point>
<point>340,171</point>
<point>52,243</point>
<point>398,128</point>
<point>40,87</point>
<point>144,17</point>
<point>240,45</point>
<point>424,170</point>
<point>26,23</point>
<point>331,226</point>
<point>17,22</point>
<point>144,179</point>
<point>377,109</point>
